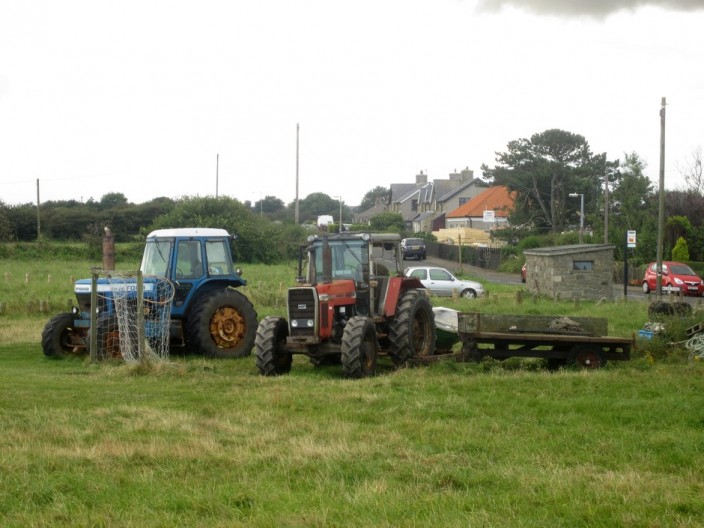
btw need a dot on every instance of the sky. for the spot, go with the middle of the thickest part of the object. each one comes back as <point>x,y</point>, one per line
<point>171,98</point>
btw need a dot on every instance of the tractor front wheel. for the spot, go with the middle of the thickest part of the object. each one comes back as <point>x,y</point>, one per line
<point>359,348</point>
<point>412,330</point>
<point>272,358</point>
<point>222,324</point>
<point>61,339</point>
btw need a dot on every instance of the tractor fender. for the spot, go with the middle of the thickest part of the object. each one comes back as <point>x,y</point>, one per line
<point>397,286</point>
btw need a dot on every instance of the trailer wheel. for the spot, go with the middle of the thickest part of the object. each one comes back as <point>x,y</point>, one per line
<point>586,356</point>
<point>359,348</point>
<point>61,339</point>
<point>272,358</point>
<point>222,324</point>
<point>412,330</point>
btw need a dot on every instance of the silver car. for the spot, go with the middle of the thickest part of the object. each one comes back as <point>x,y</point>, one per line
<point>443,283</point>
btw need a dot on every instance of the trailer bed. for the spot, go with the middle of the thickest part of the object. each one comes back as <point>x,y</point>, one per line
<point>580,340</point>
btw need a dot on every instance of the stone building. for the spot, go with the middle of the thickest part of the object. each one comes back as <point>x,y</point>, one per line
<point>579,271</point>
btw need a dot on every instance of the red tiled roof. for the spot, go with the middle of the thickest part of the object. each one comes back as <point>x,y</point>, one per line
<point>496,198</point>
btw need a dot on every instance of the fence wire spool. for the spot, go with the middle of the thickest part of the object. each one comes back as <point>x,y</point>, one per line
<point>143,323</point>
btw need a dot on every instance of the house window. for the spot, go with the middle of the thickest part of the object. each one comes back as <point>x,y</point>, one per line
<point>582,265</point>
<point>463,201</point>
<point>414,205</point>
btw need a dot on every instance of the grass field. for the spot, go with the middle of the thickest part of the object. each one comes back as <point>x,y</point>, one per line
<point>196,442</point>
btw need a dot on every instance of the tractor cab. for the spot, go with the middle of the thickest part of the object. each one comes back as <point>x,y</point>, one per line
<point>190,258</point>
<point>359,265</point>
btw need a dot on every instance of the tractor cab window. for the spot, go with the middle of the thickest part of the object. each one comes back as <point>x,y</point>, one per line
<point>156,257</point>
<point>348,259</point>
<point>384,259</point>
<point>218,257</point>
<point>189,263</point>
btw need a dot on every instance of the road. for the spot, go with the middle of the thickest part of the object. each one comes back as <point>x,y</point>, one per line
<point>633,292</point>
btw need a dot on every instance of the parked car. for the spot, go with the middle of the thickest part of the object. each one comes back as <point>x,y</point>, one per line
<point>413,248</point>
<point>523,272</point>
<point>443,283</point>
<point>676,276</point>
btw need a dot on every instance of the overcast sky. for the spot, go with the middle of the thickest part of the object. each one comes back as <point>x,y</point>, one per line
<point>139,97</point>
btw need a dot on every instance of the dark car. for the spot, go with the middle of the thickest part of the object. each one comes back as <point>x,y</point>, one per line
<point>676,277</point>
<point>413,248</point>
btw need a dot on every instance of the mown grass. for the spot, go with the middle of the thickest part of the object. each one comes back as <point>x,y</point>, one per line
<point>197,442</point>
<point>210,443</point>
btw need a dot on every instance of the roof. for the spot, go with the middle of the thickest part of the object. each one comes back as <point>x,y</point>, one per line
<point>189,232</point>
<point>497,199</point>
<point>569,249</point>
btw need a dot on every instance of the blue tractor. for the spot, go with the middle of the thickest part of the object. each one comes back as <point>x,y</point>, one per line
<point>208,315</point>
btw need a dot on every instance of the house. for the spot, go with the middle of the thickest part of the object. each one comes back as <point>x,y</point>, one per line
<point>486,211</point>
<point>423,205</point>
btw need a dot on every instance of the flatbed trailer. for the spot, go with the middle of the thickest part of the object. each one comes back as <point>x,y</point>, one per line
<point>581,341</point>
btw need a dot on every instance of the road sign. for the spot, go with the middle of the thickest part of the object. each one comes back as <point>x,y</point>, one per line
<point>631,239</point>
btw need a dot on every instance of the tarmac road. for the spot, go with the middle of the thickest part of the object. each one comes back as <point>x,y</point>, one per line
<point>483,274</point>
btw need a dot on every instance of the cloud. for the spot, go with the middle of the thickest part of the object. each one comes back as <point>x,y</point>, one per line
<point>593,8</point>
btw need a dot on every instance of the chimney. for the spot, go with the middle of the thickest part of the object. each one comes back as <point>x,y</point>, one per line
<point>421,178</point>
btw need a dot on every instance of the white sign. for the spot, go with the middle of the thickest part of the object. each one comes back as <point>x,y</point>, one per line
<point>631,239</point>
<point>489,216</point>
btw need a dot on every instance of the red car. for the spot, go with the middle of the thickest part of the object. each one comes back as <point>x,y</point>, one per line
<point>676,277</point>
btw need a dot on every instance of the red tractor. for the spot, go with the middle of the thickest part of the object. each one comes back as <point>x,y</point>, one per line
<point>353,304</point>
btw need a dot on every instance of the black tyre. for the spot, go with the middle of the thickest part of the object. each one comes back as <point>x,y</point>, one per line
<point>60,339</point>
<point>659,309</point>
<point>412,330</point>
<point>469,294</point>
<point>222,324</point>
<point>683,309</point>
<point>359,348</point>
<point>646,289</point>
<point>586,357</point>
<point>272,358</point>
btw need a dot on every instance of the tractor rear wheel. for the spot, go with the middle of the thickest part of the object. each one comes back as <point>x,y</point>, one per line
<point>222,324</point>
<point>61,339</point>
<point>359,348</point>
<point>412,330</point>
<point>272,358</point>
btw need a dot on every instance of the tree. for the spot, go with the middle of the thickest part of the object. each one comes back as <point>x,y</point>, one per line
<point>268,205</point>
<point>378,195</point>
<point>680,252</point>
<point>387,222</point>
<point>258,239</point>
<point>542,172</point>
<point>111,200</point>
<point>691,171</point>
<point>632,206</point>
<point>315,205</point>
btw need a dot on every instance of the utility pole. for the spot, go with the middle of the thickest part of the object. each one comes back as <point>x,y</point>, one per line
<point>661,204</point>
<point>295,214</point>
<point>606,208</point>
<point>39,226</point>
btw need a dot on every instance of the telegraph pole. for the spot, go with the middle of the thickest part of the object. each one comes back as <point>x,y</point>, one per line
<point>295,216</point>
<point>661,203</point>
